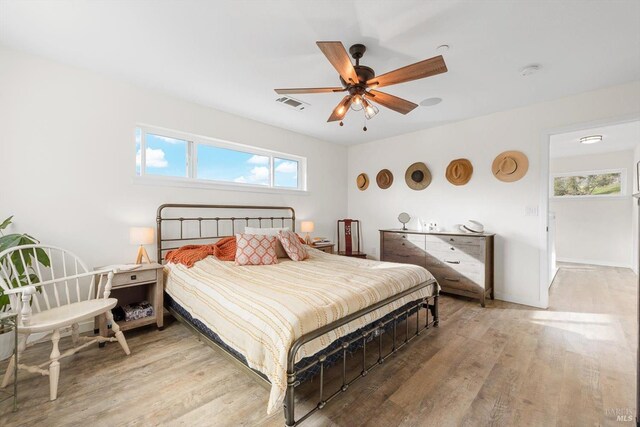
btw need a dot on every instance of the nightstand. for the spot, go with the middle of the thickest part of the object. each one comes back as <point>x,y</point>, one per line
<point>324,247</point>
<point>142,283</point>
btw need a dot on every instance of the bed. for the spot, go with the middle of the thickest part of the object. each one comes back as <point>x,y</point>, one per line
<point>290,321</point>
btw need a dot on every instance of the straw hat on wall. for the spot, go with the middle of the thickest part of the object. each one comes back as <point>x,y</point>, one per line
<point>418,176</point>
<point>459,171</point>
<point>510,166</point>
<point>384,179</point>
<point>362,181</point>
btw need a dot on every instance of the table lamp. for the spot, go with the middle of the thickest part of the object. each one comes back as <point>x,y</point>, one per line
<point>307,227</point>
<point>141,236</point>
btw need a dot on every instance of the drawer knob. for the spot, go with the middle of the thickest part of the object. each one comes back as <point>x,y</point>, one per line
<point>452,248</point>
<point>134,277</point>
<point>452,262</point>
<point>451,240</point>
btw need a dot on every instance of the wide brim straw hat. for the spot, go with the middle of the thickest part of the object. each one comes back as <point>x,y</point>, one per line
<point>510,166</point>
<point>384,179</point>
<point>459,171</point>
<point>418,176</point>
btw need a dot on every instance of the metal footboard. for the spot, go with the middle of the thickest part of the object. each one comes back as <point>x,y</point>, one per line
<point>429,304</point>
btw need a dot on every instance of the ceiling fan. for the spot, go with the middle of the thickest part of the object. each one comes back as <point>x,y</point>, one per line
<point>360,81</point>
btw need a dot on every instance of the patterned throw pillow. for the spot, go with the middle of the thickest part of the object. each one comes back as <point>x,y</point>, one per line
<point>256,250</point>
<point>269,232</point>
<point>291,244</point>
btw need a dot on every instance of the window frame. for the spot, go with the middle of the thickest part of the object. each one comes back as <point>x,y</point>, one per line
<point>623,184</point>
<point>192,180</point>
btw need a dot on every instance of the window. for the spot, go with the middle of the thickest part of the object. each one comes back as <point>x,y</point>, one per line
<point>604,183</point>
<point>169,154</point>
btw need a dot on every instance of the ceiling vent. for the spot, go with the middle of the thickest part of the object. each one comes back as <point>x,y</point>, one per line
<point>296,104</point>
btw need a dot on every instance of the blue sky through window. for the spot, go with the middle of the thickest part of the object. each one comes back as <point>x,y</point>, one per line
<point>164,156</point>
<point>285,173</point>
<point>221,164</point>
<point>168,156</point>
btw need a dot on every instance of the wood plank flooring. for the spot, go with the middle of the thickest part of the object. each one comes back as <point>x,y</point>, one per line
<point>505,365</point>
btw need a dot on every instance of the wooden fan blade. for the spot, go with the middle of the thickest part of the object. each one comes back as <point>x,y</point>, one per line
<point>392,102</point>
<point>419,70</point>
<point>310,90</point>
<point>339,58</point>
<point>341,109</point>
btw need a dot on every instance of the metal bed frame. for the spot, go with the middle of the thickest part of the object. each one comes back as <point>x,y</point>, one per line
<point>360,340</point>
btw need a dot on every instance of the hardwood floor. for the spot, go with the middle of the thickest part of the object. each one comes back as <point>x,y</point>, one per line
<point>573,364</point>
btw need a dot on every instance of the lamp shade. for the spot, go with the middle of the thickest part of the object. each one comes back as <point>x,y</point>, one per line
<point>141,235</point>
<point>306,227</point>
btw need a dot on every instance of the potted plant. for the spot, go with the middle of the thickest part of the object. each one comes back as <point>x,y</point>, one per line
<point>18,276</point>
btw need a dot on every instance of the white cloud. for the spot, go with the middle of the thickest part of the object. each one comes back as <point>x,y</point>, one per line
<point>258,160</point>
<point>154,158</point>
<point>259,175</point>
<point>287,167</point>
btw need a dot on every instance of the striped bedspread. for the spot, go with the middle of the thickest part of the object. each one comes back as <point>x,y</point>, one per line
<point>261,310</point>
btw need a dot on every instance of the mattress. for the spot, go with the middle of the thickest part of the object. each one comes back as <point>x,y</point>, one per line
<point>259,311</point>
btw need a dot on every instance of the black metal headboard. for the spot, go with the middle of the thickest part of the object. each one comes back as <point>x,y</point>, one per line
<point>182,224</point>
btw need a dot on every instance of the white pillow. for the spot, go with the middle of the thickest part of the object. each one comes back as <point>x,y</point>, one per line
<point>269,232</point>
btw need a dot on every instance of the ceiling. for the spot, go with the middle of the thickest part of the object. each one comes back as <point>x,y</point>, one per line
<point>230,55</point>
<point>619,137</point>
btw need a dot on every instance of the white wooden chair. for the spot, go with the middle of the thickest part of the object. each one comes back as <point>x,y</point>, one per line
<point>56,299</point>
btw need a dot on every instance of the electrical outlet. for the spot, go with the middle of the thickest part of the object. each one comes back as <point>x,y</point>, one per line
<point>531,211</point>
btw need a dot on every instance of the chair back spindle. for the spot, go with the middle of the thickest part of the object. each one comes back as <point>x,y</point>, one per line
<point>24,265</point>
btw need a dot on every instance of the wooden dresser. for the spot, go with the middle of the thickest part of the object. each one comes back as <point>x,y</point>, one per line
<point>462,263</point>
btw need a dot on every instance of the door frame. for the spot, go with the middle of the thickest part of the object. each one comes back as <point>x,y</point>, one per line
<point>545,145</point>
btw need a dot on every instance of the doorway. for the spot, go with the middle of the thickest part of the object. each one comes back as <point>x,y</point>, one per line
<point>592,217</point>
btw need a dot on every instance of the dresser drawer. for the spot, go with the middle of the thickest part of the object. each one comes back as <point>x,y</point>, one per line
<point>458,251</point>
<point>133,277</point>
<point>416,240</point>
<point>454,280</point>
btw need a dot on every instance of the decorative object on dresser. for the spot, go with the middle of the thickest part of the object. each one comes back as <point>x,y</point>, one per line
<point>324,247</point>
<point>472,226</point>
<point>141,236</point>
<point>461,262</point>
<point>404,218</point>
<point>459,171</point>
<point>347,230</point>
<point>510,166</point>
<point>417,176</point>
<point>384,179</point>
<point>134,284</point>
<point>307,227</point>
<point>58,297</point>
<point>362,181</point>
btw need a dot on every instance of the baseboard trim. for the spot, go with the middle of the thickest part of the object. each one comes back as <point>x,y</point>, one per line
<point>594,262</point>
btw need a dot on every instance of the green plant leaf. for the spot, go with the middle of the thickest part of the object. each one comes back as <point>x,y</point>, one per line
<point>43,258</point>
<point>6,223</point>
<point>9,241</point>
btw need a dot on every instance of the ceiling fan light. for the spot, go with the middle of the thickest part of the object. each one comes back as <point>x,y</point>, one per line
<point>370,111</point>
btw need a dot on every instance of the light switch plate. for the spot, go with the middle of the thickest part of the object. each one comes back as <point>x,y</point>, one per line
<point>531,211</point>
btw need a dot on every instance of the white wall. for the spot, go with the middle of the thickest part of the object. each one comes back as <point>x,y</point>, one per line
<point>500,206</point>
<point>594,230</point>
<point>67,165</point>
<point>634,217</point>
